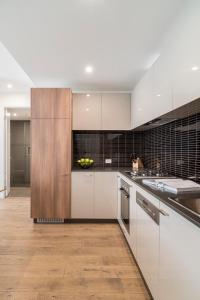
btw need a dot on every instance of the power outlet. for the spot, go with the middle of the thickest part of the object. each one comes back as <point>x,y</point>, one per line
<point>179,162</point>
<point>108,161</point>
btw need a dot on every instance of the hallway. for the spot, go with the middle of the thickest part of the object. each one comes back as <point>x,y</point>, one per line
<point>63,262</point>
<point>20,192</point>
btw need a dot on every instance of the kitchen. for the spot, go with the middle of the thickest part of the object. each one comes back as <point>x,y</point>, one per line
<point>115,176</point>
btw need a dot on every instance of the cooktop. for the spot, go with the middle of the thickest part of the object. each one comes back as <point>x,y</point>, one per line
<point>146,173</point>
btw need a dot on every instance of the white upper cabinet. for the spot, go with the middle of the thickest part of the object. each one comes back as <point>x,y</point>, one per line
<point>101,111</point>
<point>152,96</point>
<point>185,66</point>
<point>116,111</point>
<point>86,111</point>
<point>162,87</point>
<point>174,78</point>
<point>142,100</point>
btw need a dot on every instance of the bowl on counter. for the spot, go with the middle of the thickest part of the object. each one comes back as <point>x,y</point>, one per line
<point>85,163</point>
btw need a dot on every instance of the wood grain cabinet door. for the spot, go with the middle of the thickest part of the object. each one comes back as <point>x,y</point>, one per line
<point>62,167</point>
<point>51,165</point>
<point>62,107</point>
<point>42,169</point>
<point>42,103</point>
<point>50,103</point>
<point>51,153</point>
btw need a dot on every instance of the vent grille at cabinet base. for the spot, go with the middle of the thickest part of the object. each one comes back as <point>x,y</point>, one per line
<point>49,221</point>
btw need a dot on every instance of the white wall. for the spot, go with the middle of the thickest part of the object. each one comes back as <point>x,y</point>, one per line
<point>8,101</point>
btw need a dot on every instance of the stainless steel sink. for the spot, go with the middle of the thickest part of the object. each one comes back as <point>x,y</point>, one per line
<point>191,202</point>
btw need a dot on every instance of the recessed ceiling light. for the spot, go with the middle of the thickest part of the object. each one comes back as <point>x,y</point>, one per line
<point>14,114</point>
<point>8,114</point>
<point>195,68</point>
<point>9,86</point>
<point>158,95</point>
<point>88,95</point>
<point>87,109</point>
<point>89,69</point>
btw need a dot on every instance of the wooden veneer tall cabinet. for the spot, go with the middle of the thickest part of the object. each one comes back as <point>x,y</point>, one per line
<point>50,153</point>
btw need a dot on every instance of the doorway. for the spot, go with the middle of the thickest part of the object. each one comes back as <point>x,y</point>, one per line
<point>19,152</point>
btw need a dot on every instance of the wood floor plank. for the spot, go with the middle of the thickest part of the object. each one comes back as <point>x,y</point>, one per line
<point>63,262</point>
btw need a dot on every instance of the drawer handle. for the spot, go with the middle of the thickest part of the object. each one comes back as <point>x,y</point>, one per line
<point>163,213</point>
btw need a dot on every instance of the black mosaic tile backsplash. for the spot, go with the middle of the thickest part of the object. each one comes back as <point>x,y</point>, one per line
<point>100,145</point>
<point>173,147</point>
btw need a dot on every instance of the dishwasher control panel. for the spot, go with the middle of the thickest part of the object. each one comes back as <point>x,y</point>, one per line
<point>148,207</point>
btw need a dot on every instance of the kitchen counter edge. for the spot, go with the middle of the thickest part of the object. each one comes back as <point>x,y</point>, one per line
<point>98,169</point>
<point>163,197</point>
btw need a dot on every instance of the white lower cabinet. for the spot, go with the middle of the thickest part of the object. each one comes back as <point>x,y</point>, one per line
<point>82,203</point>
<point>105,195</point>
<point>133,220</point>
<point>94,195</point>
<point>179,257</point>
<point>147,241</point>
<point>167,253</point>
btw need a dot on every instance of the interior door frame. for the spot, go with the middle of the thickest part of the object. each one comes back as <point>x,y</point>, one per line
<point>7,152</point>
<point>7,147</point>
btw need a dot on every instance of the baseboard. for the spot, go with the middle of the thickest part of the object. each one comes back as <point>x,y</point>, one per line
<point>80,221</point>
<point>93,221</point>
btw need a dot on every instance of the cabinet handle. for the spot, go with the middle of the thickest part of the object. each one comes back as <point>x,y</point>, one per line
<point>163,213</point>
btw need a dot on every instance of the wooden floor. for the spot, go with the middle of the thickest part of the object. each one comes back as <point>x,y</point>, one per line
<point>63,262</point>
<point>20,192</point>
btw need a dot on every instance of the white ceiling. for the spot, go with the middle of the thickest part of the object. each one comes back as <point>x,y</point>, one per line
<point>53,40</point>
<point>12,73</point>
